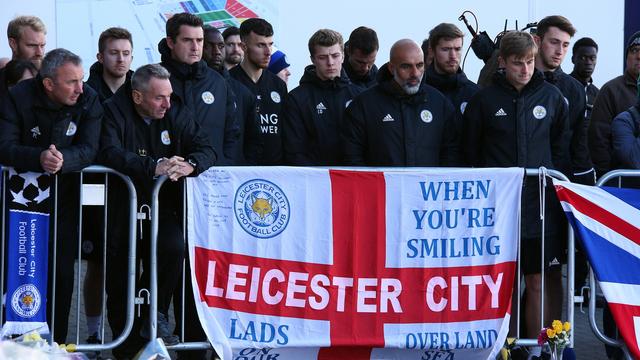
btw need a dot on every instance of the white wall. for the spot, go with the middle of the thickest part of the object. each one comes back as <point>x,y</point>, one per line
<point>297,20</point>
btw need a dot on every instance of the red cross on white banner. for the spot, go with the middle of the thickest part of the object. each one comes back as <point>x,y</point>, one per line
<point>358,294</point>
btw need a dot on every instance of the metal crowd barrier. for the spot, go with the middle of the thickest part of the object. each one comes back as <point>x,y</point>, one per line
<point>592,279</point>
<point>547,173</point>
<point>131,260</point>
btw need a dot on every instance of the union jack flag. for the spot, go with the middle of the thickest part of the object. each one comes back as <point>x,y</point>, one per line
<point>607,221</point>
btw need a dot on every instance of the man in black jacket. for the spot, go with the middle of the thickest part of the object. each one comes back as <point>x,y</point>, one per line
<point>269,90</point>
<point>401,121</point>
<point>521,120</point>
<point>315,109</point>
<point>361,51</point>
<point>201,89</point>
<point>113,68</point>
<point>445,73</point>
<point>584,59</point>
<point>249,143</point>
<point>552,37</point>
<point>148,133</point>
<point>106,76</point>
<point>51,123</point>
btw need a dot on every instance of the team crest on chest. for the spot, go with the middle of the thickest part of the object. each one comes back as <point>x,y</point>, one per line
<point>208,97</point>
<point>426,116</point>
<point>275,97</point>
<point>165,138</point>
<point>539,112</point>
<point>71,130</point>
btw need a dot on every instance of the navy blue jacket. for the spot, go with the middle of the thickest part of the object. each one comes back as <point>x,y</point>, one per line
<point>205,93</point>
<point>529,129</point>
<point>270,93</point>
<point>314,118</point>
<point>386,127</point>
<point>250,143</point>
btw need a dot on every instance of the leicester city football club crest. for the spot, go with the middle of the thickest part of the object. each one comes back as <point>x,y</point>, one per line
<point>426,116</point>
<point>165,138</point>
<point>539,112</point>
<point>208,97</point>
<point>26,301</point>
<point>275,97</point>
<point>71,130</point>
<point>261,208</point>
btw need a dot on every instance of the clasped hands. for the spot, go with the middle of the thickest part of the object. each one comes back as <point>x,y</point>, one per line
<point>175,168</point>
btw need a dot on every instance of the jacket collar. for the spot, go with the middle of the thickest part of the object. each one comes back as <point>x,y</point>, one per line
<point>444,81</point>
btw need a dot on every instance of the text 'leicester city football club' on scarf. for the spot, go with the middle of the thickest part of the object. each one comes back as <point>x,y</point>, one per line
<point>27,198</point>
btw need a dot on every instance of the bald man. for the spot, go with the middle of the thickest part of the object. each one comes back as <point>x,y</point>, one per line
<point>401,121</point>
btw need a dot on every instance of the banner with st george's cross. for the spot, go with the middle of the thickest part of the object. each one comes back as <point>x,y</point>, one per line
<point>301,263</point>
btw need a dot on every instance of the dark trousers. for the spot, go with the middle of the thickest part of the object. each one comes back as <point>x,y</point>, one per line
<point>67,246</point>
<point>170,258</point>
<point>192,329</point>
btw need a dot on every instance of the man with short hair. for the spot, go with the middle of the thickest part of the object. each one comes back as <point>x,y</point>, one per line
<point>521,120</point>
<point>360,57</point>
<point>106,76</point>
<point>615,96</point>
<point>553,36</point>
<point>249,142</point>
<point>113,68</point>
<point>401,121</point>
<point>584,59</point>
<point>147,134</point>
<point>27,39</point>
<point>315,109</point>
<point>200,88</point>
<point>51,123</point>
<point>233,47</point>
<point>270,91</point>
<point>445,73</point>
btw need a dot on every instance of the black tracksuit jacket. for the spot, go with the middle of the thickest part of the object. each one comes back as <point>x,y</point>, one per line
<point>313,119</point>
<point>506,128</point>
<point>386,127</point>
<point>270,93</point>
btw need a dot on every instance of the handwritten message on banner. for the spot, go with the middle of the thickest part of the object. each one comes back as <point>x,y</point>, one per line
<point>292,263</point>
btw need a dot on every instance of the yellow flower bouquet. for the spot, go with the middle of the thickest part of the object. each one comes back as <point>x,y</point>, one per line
<point>558,336</point>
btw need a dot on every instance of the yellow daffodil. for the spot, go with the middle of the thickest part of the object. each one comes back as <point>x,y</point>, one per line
<point>551,333</point>
<point>567,326</point>
<point>557,326</point>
